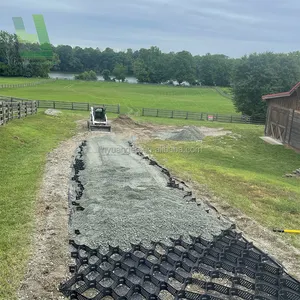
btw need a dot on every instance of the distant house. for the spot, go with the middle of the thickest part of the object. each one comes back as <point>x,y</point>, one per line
<point>283,116</point>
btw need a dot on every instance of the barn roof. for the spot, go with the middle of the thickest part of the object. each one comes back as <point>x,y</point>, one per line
<point>284,94</point>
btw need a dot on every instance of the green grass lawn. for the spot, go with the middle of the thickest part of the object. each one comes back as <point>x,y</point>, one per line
<point>18,80</point>
<point>131,97</point>
<point>245,171</point>
<point>24,144</point>
<point>227,90</point>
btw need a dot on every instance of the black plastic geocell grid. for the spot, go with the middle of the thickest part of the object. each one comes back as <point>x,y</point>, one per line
<point>166,272</point>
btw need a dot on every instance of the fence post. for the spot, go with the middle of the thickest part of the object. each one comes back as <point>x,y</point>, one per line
<point>88,106</point>
<point>172,114</point>
<point>53,104</point>
<point>143,113</point>
<point>19,110</point>
<point>157,113</point>
<point>216,117</point>
<point>118,108</point>
<point>291,128</point>
<point>3,111</point>
<point>187,115</point>
<point>72,105</point>
<point>25,109</point>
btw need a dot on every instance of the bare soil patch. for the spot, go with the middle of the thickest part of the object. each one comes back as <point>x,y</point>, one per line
<point>50,257</point>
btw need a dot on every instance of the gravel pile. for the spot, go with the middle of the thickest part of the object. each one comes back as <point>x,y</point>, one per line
<point>190,133</point>
<point>126,200</point>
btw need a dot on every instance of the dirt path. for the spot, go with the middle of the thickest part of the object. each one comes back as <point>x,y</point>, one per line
<point>48,266</point>
<point>49,262</point>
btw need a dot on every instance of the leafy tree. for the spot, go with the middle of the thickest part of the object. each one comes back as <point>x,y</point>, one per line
<point>183,67</point>
<point>10,54</point>
<point>140,71</point>
<point>66,57</point>
<point>87,75</point>
<point>128,62</point>
<point>108,59</point>
<point>120,72</point>
<point>259,74</point>
<point>214,69</point>
<point>12,63</point>
<point>106,75</point>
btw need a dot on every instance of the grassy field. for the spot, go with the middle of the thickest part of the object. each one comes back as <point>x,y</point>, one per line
<point>244,171</point>
<point>23,147</point>
<point>131,97</point>
<point>18,80</point>
<point>227,90</point>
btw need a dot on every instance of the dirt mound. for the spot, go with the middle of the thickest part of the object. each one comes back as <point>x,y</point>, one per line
<point>124,120</point>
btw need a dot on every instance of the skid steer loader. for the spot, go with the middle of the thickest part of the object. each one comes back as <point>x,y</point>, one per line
<point>98,120</point>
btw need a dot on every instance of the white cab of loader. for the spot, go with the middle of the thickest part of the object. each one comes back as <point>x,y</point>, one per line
<point>98,119</point>
<point>98,116</point>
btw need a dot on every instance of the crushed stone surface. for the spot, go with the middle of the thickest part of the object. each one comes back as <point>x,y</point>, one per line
<point>126,200</point>
<point>190,133</point>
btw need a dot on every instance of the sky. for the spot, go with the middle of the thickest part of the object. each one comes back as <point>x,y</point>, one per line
<point>230,27</point>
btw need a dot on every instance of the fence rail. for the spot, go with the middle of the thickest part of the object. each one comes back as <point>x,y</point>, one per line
<point>16,110</point>
<point>222,93</point>
<point>3,86</point>
<point>76,105</point>
<point>150,112</point>
<point>188,115</point>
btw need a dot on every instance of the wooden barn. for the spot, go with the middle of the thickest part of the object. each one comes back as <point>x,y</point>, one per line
<point>283,116</point>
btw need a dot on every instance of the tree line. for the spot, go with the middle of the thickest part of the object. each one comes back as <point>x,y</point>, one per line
<point>147,65</point>
<point>249,77</point>
<point>13,64</point>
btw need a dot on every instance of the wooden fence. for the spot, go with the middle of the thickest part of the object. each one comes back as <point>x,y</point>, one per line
<point>16,110</point>
<point>294,137</point>
<point>76,105</point>
<point>222,93</point>
<point>3,86</point>
<point>150,112</point>
<point>189,115</point>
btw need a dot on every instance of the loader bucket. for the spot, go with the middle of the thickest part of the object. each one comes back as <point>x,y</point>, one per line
<point>103,128</point>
